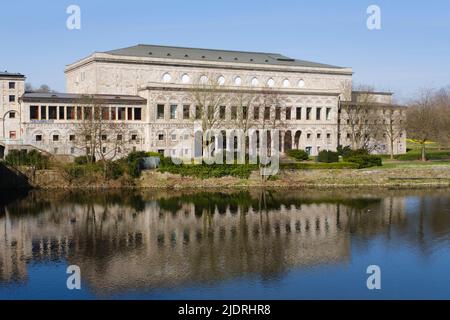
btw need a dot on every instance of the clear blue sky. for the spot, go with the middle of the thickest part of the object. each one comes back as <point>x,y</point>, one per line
<point>411,51</point>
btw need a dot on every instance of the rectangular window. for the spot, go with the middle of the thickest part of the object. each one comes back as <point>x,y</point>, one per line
<point>113,113</point>
<point>256,113</point>
<point>308,136</point>
<point>72,137</point>
<point>266,113</point>
<point>104,137</point>
<point>328,114</point>
<point>288,113</point>
<point>318,112</point>
<point>38,137</point>
<point>173,137</point>
<point>133,137</point>
<point>222,112</point>
<point>12,134</point>
<point>186,113</point>
<point>72,150</point>
<point>121,114</point>
<point>70,113</point>
<point>119,137</point>
<point>173,111</point>
<point>277,113</point>
<point>298,113</point>
<point>319,136</point>
<point>137,114</point>
<point>87,113</point>
<point>62,115</point>
<point>52,113</point>
<point>79,113</point>
<point>198,112</point>
<point>244,112</point>
<point>211,112</point>
<point>12,98</point>
<point>308,113</point>
<point>160,137</point>
<point>34,112</point>
<point>160,111</point>
<point>12,85</point>
<point>130,114</point>
<point>12,115</point>
<point>233,113</point>
<point>43,113</point>
<point>55,137</point>
<point>104,150</point>
<point>328,135</point>
<point>105,113</point>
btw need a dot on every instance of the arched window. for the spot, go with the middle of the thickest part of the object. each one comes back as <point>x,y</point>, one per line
<point>167,77</point>
<point>185,78</point>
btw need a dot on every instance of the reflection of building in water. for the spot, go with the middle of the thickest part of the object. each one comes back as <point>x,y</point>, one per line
<point>168,242</point>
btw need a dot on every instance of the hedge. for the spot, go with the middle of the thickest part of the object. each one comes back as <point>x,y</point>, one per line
<point>366,161</point>
<point>27,158</point>
<point>205,171</point>
<point>298,154</point>
<point>417,155</point>
<point>319,165</point>
<point>328,156</point>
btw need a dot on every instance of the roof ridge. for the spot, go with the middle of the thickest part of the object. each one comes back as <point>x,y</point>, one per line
<point>194,48</point>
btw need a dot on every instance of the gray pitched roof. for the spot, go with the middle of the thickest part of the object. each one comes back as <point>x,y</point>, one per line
<point>55,97</point>
<point>143,50</point>
<point>9,74</point>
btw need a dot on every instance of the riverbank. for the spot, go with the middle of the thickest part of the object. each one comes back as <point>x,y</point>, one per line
<point>424,175</point>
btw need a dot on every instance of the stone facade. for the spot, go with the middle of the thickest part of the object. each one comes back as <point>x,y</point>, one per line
<point>12,87</point>
<point>310,96</point>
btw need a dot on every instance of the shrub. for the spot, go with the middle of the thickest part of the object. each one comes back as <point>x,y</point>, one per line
<point>27,158</point>
<point>84,160</point>
<point>328,156</point>
<point>299,155</point>
<point>134,163</point>
<point>349,153</point>
<point>115,169</point>
<point>318,165</point>
<point>366,161</point>
<point>343,151</point>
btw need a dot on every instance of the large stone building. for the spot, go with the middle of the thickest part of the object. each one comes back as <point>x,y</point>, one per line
<point>150,91</point>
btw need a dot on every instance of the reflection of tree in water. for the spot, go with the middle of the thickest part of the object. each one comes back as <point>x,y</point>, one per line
<point>139,239</point>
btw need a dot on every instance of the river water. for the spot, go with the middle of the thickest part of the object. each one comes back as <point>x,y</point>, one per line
<point>247,244</point>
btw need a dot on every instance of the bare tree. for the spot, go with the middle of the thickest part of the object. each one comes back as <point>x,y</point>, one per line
<point>442,105</point>
<point>361,118</point>
<point>42,89</point>
<point>393,126</point>
<point>422,120</point>
<point>208,97</point>
<point>96,134</point>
